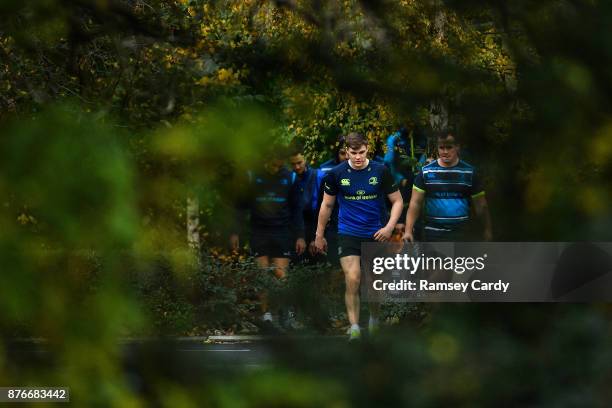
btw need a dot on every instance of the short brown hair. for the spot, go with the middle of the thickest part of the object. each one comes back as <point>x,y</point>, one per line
<point>355,140</point>
<point>445,134</point>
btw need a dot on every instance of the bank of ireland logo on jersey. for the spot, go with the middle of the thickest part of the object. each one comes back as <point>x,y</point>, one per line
<point>373,181</point>
<point>345,182</point>
<point>360,192</point>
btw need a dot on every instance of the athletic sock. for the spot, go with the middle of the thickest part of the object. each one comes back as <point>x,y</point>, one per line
<point>355,327</point>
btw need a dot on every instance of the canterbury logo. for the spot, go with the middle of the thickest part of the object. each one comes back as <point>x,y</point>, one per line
<point>373,181</point>
<point>345,182</point>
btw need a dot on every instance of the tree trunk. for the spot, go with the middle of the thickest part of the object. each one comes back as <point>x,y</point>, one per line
<point>193,223</point>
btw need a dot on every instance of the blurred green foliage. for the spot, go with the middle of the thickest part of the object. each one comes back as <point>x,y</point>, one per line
<point>114,112</point>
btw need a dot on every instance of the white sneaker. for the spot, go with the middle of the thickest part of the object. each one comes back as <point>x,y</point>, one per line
<point>267,317</point>
<point>354,334</point>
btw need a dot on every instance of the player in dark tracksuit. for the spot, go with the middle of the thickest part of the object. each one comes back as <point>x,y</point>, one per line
<point>331,230</point>
<point>273,200</point>
<point>360,186</point>
<point>306,178</point>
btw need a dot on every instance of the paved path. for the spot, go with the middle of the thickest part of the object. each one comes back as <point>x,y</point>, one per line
<point>195,354</point>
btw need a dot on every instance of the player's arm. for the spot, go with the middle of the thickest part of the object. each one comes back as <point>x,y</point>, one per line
<point>397,203</point>
<point>389,187</point>
<point>330,189</point>
<point>324,213</point>
<point>297,218</point>
<point>315,202</point>
<point>414,209</point>
<point>481,208</point>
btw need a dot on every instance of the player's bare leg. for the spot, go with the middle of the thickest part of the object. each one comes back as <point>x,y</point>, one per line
<point>263,262</point>
<point>352,277</point>
<point>280,267</point>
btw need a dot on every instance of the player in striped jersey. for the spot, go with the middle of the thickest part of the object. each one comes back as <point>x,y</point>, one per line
<point>449,187</point>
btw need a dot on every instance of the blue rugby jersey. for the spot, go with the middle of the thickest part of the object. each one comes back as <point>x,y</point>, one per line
<point>448,193</point>
<point>360,196</point>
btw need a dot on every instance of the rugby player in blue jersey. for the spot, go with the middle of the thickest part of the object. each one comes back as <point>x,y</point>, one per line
<point>449,187</point>
<point>360,186</point>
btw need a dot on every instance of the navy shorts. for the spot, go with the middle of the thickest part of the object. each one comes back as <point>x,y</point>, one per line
<point>272,243</point>
<point>349,245</point>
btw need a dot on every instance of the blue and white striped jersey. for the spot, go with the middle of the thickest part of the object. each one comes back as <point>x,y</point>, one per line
<point>448,193</point>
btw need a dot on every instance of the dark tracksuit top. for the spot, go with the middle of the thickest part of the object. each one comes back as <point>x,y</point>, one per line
<point>274,203</point>
<point>309,191</point>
